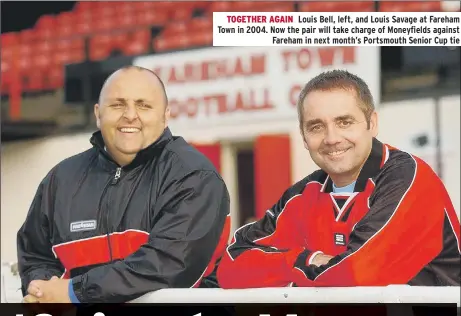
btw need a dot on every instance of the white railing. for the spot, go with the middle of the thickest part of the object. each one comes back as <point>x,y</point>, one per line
<point>388,294</point>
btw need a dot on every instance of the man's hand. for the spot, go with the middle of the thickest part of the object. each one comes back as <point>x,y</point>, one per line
<point>30,299</point>
<point>320,259</point>
<point>53,291</point>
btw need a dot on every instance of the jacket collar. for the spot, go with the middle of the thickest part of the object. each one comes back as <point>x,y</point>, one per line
<point>143,156</point>
<point>370,169</point>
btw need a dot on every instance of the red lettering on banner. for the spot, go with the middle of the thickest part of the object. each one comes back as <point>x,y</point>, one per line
<point>213,69</point>
<point>294,94</point>
<point>222,104</point>
<point>325,56</point>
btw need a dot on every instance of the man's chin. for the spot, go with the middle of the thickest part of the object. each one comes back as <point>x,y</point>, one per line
<point>129,150</point>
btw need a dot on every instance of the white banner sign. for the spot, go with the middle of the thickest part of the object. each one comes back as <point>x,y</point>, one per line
<point>336,29</point>
<point>216,86</point>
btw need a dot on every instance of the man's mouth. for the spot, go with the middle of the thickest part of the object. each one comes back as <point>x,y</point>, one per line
<point>337,152</point>
<point>129,130</point>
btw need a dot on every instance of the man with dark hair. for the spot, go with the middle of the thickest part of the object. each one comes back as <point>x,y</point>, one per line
<point>140,211</point>
<point>372,215</point>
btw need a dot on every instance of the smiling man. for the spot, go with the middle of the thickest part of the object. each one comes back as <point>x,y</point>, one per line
<point>372,215</point>
<point>140,211</point>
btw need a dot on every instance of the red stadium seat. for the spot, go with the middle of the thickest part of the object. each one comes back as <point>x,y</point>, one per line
<point>201,38</point>
<point>25,48</point>
<point>338,6</point>
<point>6,54</point>
<point>123,7</point>
<point>5,81</point>
<point>46,21</point>
<point>202,23</point>
<point>150,17</point>
<point>65,18</point>
<point>183,40</point>
<point>27,35</point>
<point>164,6</point>
<point>100,46</point>
<point>220,6</point>
<point>55,78</point>
<point>119,39</point>
<point>143,6</point>
<point>104,8</point>
<point>137,43</point>
<point>9,39</point>
<point>69,51</point>
<point>410,6</point>
<point>170,42</point>
<point>85,6</point>
<point>25,63</point>
<point>181,14</point>
<point>280,7</point>
<point>33,81</point>
<point>44,47</point>
<point>45,33</point>
<point>66,24</point>
<point>249,6</point>
<point>42,60</point>
<point>46,27</point>
<point>106,23</point>
<point>126,20</point>
<point>175,28</point>
<point>83,24</point>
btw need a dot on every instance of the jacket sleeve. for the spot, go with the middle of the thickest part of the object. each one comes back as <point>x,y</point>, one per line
<point>192,213</point>
<point>401,233</point>
<point>262,254</point>
<point>36,260</point>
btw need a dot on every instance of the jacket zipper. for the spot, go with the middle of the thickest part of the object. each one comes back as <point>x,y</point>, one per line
<point>114,181</point>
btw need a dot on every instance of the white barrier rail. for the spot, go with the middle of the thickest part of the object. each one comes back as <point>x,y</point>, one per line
<point>388,294</point>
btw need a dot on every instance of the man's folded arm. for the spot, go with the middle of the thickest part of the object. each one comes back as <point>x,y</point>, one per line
<point>401,233</point>
<point>36,260</point>
<point>192,217</point>
<point>262,254</point>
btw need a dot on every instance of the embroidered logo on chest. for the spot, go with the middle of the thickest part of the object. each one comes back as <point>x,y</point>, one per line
<point>82,226</point>
<point>340,239</point>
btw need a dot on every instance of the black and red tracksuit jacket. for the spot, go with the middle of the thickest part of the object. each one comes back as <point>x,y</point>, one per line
<point>121,232</point>
<point>397,227</point>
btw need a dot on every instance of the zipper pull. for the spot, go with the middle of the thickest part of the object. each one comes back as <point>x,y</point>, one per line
<point>117,175</point>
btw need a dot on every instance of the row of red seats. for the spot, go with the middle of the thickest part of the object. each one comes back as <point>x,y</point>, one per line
<point>40,58</point>
<point>92,17</point>
<point>130,42</point>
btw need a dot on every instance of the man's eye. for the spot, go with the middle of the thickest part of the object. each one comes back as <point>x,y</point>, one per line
<point>345,123</point>
<point>117,105</point>
<point>315,128</point>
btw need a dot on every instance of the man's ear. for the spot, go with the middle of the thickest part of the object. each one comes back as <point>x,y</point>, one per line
<point>374,124</point>
<point>96,115</point>
<point>167,115</point>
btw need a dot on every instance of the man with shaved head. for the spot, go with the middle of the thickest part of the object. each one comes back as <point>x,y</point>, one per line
<point>142,210</point>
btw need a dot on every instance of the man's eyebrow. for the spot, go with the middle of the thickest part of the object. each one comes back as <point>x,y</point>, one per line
<point>313,122</point>
<point>125,100</point>
<point>142,100</point>
<point>344,117</point>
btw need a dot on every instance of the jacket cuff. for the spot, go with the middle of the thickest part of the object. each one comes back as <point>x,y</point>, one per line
<point>301,266</point>
<point>77,288</point>
<point>72,296</point>
<point>291,258</point>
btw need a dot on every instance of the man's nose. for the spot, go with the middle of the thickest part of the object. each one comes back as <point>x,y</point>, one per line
<point>332,136</point>
<point>130,113</point>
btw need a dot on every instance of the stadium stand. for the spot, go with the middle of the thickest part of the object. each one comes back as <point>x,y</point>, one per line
<point>134,29</point>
